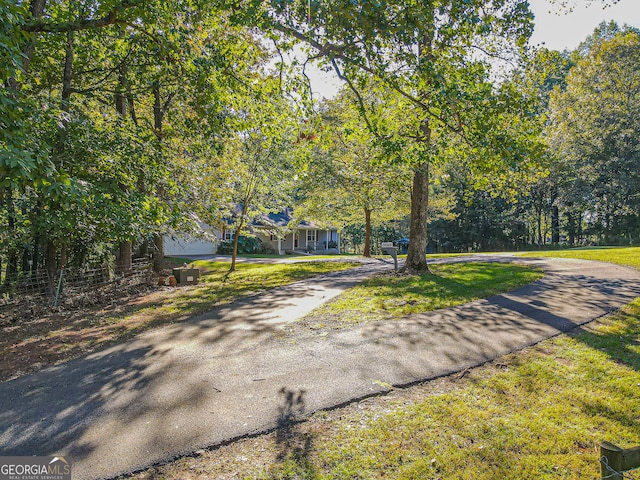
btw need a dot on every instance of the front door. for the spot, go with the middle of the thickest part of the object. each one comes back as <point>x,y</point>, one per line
<point>296,236</point>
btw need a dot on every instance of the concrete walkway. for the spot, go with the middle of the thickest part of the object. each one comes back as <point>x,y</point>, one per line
<point>280,259</point>
<point>232,372</point>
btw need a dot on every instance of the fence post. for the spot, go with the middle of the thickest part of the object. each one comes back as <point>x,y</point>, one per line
<point>631,458</point>
<point>55,303</point>
<point>610,455</point>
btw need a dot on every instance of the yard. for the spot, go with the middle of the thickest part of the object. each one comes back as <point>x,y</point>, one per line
<point>31,342</point>
<point>539,413</point>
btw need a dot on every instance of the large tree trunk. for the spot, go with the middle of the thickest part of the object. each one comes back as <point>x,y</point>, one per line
<point>416,255</point>
<point>539,226</point>
<point>35,257</point>
<point>52,251</point>
<point>571,227</point>
<point>26,259</point>
<point>124,257</point>
<point>158,111</point>
<point>158,118</point>
<point>367,233</point>
<point>67,75</point>
<point>12,253</point>
<point>158,253</point>
<point>120,94</point>
<point>417,252</point>
<point>51,264</point>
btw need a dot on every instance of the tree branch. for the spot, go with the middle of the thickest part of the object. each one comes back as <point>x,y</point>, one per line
<point>338,52</point>
<point>355,91</point>
<point>111,18</point>
<point>165,107</point>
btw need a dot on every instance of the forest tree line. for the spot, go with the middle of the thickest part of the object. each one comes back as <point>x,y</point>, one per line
<point>584,188</point>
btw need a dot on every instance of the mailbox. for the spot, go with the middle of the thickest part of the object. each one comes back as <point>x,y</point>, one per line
<point>389,249</point>
<point>187,276</point>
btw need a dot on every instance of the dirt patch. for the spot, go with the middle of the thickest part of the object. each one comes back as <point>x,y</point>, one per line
<point>32,340</point>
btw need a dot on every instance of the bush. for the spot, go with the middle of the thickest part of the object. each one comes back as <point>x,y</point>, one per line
<point>246,245</point>
<point>225,248</point>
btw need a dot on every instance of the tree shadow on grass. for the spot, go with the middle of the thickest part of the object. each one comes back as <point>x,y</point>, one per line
<point>618,339</point>
<point>294,444</point>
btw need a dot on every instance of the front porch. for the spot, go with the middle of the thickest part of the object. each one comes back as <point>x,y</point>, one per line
<point>303,240</point>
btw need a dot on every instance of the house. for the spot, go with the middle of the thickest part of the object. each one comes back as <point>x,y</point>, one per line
<point>277,231</point>
<point>280,233</point>
<point>204,241</point>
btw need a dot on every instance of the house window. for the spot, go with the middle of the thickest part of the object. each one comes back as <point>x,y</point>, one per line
<point>271,237</point>
<point>312,235</point>
<point>227,235</point>
<point>296,236</point>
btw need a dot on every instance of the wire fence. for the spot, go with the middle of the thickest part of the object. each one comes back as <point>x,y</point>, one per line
<point>611,473</point>
<point>619,463</point>
<point>25,284</point>
<point>71,287</point>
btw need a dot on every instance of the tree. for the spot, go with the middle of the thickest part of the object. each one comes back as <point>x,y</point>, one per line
<point>350,177</point>
<point>542,195</point>
<point>108,103</point>
<point>263,153</point>
<point>434,55</point>
<point>595,128</point>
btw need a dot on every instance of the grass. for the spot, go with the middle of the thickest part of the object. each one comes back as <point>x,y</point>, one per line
<point>178,261</point>
<point>627,256</point>
<point>254,277</point>
<point>388,295</point>
<point>35,343</point>
<point>535,414</point>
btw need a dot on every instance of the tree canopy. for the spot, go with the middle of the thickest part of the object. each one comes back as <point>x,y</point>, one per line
<point>435,56</point>
<point>123,120</point>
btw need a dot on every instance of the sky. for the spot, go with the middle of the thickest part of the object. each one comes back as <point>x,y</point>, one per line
<point>555,29</point>
<point>559,30</point>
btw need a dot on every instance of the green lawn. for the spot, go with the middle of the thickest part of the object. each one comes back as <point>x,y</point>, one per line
<point>218,286</point>
<point>390,295</point>
<point>537,414</point>
<point>628,256</point>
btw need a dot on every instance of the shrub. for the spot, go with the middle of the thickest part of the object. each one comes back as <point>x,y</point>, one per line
<point>245,245</point>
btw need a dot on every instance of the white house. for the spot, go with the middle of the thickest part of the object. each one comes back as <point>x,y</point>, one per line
<point>277,232</point>
<point>205,243</point>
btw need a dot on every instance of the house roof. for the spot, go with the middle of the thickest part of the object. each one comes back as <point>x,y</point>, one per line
<point>282,219</point>
<point>277,220</point>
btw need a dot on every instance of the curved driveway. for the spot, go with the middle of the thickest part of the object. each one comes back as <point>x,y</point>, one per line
<point>233,372</point>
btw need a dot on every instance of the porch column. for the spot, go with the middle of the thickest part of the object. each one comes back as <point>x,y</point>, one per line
<point>338,241</point>
<point>306,239</point>
<point>279,246</point>
<point>327,240</point>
